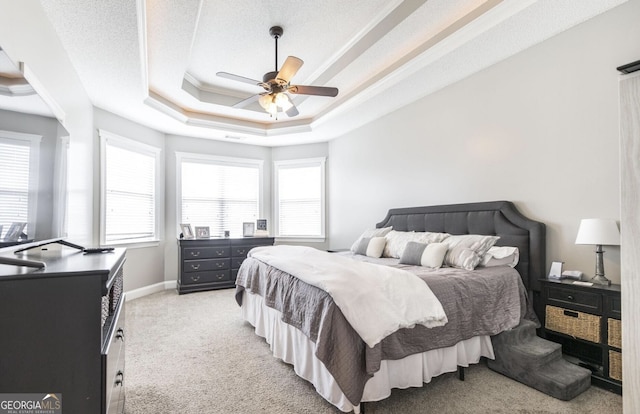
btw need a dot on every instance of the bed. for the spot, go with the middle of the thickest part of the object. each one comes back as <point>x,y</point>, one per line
<point>306,328</point>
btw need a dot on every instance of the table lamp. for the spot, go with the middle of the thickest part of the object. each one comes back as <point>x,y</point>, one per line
<point>599,232</point>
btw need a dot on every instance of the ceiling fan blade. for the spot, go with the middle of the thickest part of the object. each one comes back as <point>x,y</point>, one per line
<point>290,68</point>
<point>293,111</point>
<point>239,78</point>
<point>246,102</point>
<point>313,90</point>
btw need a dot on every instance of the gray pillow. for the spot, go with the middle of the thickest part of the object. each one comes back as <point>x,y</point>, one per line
<point>424,254</point>
<point>370,246</point>
<point>369,234</point>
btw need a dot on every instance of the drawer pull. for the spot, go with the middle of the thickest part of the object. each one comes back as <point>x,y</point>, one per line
<point>220,252</point>
<point>120,334</point>
<point>195,278</point>
<point>196,253</point>
<point>195,267</point>
<point>220,265</point>
<point>119,378</point>
<point>243,251</point>
<point>571,298</point>
<point>220,277</point>
<point>571,313</point>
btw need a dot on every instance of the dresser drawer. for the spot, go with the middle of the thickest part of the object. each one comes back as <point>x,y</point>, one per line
<point>206,277</point>
<point>614,333</point>
<point>613,306</point>
<point>615,365</point>
<point>573,323</point>
<point>240,250</point>
<point>206,252</point>
<point>575,299</point>
<point>205,264</point>
<point>113,364</point>
<point>236,262</point>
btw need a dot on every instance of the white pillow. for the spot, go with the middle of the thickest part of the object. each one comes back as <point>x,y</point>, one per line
<point>501,256</point>
<point>463,248</point>
<point>397,240</point>
<point>369,234</point>
<point>371,246</point>
<point>462,257</point>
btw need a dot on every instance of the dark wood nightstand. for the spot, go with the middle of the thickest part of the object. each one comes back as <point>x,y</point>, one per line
<point>586,320</point>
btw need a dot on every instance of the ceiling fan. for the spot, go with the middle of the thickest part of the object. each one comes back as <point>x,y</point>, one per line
<point>277,85</point>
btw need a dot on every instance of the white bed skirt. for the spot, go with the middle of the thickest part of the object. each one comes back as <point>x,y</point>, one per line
<point>293,347</point>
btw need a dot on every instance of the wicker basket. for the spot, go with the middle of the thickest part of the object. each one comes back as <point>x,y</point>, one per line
<point>573,323</point>
<point>614,329</point>
<point>615,365</point>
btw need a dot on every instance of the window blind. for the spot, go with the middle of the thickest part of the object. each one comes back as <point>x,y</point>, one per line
<point>218,195</point>
<point>130,205</point>
<point>299,200</point>
<point>14,184</point>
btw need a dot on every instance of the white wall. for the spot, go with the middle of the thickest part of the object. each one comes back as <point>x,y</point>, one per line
<point>539,129</point>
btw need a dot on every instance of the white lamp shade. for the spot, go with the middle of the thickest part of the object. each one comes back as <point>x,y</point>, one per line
<point>598,231</point>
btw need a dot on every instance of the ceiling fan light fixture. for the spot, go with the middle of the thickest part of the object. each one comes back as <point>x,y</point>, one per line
<point>282,100</point>
<point>269,104</point>
<point>275,102</point>
<point>265,100</point>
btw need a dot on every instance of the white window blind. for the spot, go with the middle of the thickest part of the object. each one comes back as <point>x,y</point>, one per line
<point>14,184</point>
<point>18,179</point>
<point>219,194</point>
<point>300,198</point>
<point>130,205</point>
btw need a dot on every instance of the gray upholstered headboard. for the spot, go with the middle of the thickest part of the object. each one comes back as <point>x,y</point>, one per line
<point>500,218</point>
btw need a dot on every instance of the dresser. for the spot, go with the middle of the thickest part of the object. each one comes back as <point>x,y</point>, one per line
<point>207,264</point>
<point>62,329</point>
<point>586,320</point>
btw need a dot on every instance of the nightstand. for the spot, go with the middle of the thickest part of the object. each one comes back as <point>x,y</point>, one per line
<point>586,320</point>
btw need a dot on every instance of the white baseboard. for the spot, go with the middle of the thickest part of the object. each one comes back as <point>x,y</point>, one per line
<point>151,289</point>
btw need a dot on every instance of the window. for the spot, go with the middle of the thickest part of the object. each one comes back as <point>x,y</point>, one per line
<point>299,198</point>
<point>18,180</point>
<point>130,191</point>
<point>218,192</point>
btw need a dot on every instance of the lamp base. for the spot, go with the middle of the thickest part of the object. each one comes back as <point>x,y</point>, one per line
<point>600,280</point>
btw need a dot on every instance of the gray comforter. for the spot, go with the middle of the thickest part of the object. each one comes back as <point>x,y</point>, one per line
<point>485,301</point>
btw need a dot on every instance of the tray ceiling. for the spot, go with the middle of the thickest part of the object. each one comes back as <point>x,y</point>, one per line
<point>155,62</point>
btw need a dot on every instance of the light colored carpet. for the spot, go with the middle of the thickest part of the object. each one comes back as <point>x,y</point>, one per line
<point>193,353</point>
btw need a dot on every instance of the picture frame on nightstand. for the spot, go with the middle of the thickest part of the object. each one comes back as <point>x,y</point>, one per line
<point>555,272</point>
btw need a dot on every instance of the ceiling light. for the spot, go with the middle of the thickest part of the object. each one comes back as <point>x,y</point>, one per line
<point>275,102</point>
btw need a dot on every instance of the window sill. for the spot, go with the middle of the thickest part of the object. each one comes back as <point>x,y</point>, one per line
<point>134,245</point>
<point>299,239</point>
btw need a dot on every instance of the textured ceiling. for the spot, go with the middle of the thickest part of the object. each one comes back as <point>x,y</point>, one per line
<point>16,94</point>
<point>155,61</point>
